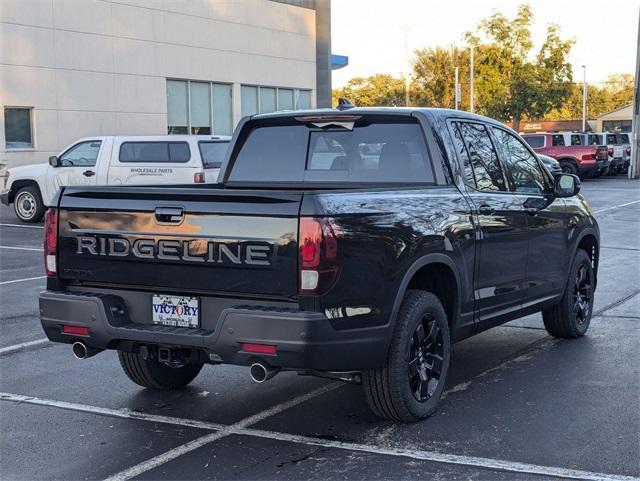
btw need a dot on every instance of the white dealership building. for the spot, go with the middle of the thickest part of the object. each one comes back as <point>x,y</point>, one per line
<point>77,68</point>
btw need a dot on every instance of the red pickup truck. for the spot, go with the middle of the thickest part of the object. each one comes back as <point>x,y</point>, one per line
<point>582,160</point>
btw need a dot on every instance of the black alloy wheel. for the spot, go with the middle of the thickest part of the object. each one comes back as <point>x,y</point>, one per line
<point>426,354</point>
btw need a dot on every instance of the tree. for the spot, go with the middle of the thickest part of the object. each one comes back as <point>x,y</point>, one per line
<point>377,90</point>
<point>433,76</point>
<point>509,85</point>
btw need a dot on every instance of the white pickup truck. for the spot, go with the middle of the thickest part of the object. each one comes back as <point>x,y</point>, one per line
<point>109,160</point>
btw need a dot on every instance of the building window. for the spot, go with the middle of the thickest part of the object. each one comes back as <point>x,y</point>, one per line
<point>269,99</point>
<point>18,132</point>
<point>198,108</point>
<point>616,125</point>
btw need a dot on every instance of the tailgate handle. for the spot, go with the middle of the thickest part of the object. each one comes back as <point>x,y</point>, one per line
<point>171,215</point>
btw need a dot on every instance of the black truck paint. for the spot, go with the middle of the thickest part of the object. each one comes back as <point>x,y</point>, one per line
<point>487,256</point>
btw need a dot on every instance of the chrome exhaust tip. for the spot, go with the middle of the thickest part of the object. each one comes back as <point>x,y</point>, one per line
<point>261,373</point>
<point>82,351</point>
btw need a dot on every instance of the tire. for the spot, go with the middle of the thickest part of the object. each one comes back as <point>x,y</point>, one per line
<point>570,317</point>
<point>152,374</point>
<point>393,390</point>
<point>28,204</point>
<point>568,167</point>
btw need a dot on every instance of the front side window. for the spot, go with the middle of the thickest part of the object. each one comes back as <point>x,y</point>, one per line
<point>17,128</point>
<point>212,153</point>
<point>482,157</point>
<point>155,152</point>
<point>624,138</point>
<point>83,154</point>
<point>595,139</point>
<point>611,139</point>
<point>557,140</point>
<point>521,167</point>
<point>576,139</point>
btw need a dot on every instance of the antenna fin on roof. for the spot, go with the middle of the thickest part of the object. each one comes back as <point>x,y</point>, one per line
<point>344,104</point>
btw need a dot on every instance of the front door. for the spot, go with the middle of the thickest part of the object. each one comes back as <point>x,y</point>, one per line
<point>77,165</point>
<point>548,222</point>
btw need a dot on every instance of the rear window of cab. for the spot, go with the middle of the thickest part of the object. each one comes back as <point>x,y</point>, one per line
<point>360,151</point>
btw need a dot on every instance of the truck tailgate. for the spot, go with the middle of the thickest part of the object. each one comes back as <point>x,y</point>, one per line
<point>181,239</point>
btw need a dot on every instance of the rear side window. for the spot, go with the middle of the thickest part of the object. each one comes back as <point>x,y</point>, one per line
<point>576,139</point>
<point>535,141</point>
<point>476,149</point>
<point>557,140</point>
<point>611,139</point>
<point>624,138</point>
<point>595,139</point>
<point>175,152</point>
<point>360,151</point>
<point>212,153</point>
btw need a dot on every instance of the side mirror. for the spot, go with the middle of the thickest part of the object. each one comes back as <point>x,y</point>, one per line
<point>54,161</point>
<point>566,185</point>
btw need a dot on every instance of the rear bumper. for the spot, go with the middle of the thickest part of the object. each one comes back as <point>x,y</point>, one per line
<point>4,197</point>
<point>304,340</point>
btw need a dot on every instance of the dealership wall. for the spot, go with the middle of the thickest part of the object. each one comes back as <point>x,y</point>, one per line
<point>100,67</point>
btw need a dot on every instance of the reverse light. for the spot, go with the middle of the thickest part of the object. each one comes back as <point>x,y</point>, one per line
<point>198,178</point>
<point>259,348</point>
<point>51,242</point>
<point>318,254</point>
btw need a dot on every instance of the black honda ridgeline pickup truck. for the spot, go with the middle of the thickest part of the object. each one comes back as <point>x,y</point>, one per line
<point>353,244</point>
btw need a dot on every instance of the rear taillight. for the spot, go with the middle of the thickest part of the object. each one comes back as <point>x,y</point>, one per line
<point>602,152</point>
<point>51,242</point>
<point>198,178</point>
<point>318,254</point>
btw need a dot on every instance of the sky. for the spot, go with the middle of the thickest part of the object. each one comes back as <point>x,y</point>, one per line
<point>379,36</point>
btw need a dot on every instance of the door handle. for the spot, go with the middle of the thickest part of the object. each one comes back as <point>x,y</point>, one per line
<point>486,210</point>
<point>88,173</point>
<point>172,215</point>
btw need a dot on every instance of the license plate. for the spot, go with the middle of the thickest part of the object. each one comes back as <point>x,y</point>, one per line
<point>176,311</point>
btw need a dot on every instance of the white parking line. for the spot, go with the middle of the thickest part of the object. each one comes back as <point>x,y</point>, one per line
<point>21,346</point>
<point>241,429</point>
<point>37,249</point>
<point>22,280</point>
<point>615,207</point>
<point>24,226</point>
<point>235,428</point>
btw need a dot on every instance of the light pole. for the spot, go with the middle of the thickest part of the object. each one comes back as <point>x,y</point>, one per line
<point>471,72</point>
<point>584,98</point>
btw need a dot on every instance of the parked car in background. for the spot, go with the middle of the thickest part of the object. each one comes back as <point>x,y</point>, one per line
<point>109,160</point>
<point>582,160</point>
<point>551,164</point>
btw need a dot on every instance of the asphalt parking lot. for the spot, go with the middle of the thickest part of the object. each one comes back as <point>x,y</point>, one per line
<point>519,404</point>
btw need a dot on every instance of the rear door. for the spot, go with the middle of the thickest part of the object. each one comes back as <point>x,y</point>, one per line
<point>502,219</point>
<point>181,240</point>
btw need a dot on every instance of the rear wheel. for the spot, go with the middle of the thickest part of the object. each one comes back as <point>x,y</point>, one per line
<point>411,383</point>
<point>28,204</point>
<point>152,374</point>
<point>570,318</point>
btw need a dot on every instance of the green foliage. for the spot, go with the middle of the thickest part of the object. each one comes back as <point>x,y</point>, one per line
<point>377,90</point>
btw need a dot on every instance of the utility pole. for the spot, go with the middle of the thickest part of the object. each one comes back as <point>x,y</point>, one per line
<point>634,168</point>
<point>584,98</point>
<point>471,102</point>
<point>456,89</point>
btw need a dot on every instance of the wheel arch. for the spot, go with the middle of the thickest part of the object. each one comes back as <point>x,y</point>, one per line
<point>589,241</point>
<point>18,184</point>
<point>436,273</point>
